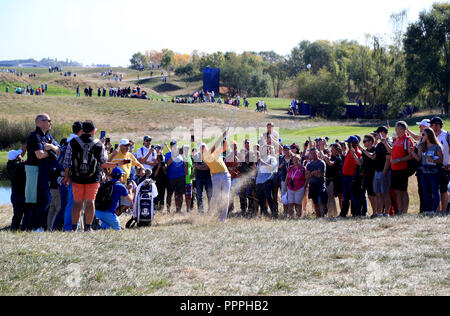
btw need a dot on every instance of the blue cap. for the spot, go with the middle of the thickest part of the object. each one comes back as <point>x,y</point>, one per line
<point>117,172</point>
<point>173,143</point>
<point>352,139</point>
<point>286,147</point>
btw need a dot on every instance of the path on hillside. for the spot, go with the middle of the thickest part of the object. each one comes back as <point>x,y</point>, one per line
<point>145,78</point>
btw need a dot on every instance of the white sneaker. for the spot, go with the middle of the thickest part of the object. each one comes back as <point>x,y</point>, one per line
<point>40,230</point>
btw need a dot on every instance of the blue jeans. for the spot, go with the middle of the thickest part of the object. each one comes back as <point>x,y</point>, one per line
<point>109,220</point>
<point>68,211</point>
<point>350,194</point>
<point>59,220</point>
<point>206,183</point>
<point>221,183</point>
<point>431,193</point>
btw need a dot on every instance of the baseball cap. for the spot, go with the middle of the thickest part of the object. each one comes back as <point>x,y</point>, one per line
<point>124,142</point>
<point>352,139</point>
<point>286,147</point>
<point>437,120</point>
<point>117,171</point>
<point>146,138</point>
<point>173,143</point>
<point>424,122</point>
<point>382,129</point>
<point>158,146</point>
<point>13,154</point>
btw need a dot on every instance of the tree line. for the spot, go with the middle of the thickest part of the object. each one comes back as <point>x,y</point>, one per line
<point>411,66</point>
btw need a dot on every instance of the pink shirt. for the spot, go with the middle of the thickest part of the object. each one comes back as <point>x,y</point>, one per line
<point>297,177</point>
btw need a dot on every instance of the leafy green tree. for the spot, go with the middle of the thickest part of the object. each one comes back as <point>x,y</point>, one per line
<point>168,58</point>
<point>296,60</point>
<point>324,91</point>
<point>427,54</point>
<point>214,60</point>
<point>139,62</point>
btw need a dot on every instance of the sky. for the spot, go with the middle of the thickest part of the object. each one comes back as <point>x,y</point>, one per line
<point>111,31</point>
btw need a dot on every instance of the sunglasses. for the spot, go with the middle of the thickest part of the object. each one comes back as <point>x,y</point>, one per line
<point>47,121</point>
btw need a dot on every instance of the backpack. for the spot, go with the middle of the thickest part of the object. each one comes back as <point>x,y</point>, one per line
<point>85,163</point>
<point>104,196</point>
<point>413,164</point>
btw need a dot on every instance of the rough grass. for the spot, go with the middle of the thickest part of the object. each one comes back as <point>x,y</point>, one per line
<point>194,255</point>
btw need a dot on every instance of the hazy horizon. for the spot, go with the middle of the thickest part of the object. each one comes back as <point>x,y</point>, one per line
<point>109,32</point>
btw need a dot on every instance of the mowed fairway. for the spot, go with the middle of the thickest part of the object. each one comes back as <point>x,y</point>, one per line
<point>193,255</point>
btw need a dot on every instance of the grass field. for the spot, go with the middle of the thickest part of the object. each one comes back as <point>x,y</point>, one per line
<point>194,255</point>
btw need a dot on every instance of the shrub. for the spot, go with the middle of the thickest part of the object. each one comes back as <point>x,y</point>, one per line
<point>15,134</point>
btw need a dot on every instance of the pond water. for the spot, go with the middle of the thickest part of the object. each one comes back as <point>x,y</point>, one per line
<point>5,192</point>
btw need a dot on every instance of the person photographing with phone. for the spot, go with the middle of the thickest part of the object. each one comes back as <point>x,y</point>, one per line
<point>126,160</point>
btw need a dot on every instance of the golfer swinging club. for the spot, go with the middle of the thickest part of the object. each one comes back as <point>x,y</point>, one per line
<point>220,177</point>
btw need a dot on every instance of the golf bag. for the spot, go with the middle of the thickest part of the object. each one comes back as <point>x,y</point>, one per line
<point>143,211</point>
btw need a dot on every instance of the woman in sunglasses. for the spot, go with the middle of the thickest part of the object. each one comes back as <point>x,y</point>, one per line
<point>431,155</point>
<point>295,186</point>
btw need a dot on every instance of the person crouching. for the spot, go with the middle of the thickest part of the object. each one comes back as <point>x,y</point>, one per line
<point>109,218</point>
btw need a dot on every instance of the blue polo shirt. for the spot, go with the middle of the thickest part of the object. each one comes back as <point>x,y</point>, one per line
<point>118,190</point>
<point>176,169</point>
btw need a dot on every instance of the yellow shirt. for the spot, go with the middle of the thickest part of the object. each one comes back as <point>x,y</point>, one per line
<point>215,162</point>
<point>127,168</point>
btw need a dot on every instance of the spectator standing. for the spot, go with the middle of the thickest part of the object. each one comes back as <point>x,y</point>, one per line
<point>267,167</point>
<point>247,194</point>
<point>382,177</point>
<point>189,171</point>
<point>146,155</point>
<point>233,164</point>
<point>294,185</point>
<point>77,130</point>
<point>159,175</point>
<point>15,169</point>
<point>315,175</point>
<point>124,158</point>
<point>176,175</point>
<point>431,157</point>
<point>85,157</point>
<point>368,170</point>
<point>333,177</point>
<point>399,164</point>
<point>352,163</point>
<point>41,147</point>
<point>443,137</point>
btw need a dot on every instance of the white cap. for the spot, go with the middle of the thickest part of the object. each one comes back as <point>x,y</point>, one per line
<point>124,142</point>
<point>13,154</point>
<point>425,123</point>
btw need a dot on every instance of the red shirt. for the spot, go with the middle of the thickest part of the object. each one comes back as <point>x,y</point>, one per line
<point>398,151</point>
<point>234,173</point>
<point>350,164</point>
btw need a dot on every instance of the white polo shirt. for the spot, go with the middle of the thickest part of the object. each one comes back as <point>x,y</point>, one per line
<point>445,147</point>
<point>142,152</point>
